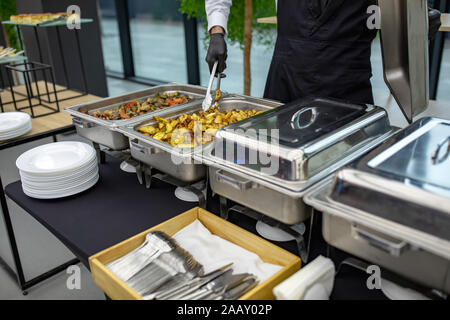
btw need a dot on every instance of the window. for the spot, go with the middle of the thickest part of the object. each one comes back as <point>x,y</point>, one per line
<point>261,57</point>
<point>444,75</point>
<point>112,53</point>
<point>157,38</point>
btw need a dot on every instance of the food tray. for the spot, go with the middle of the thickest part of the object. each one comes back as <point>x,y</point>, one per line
<point>173,160</point>
<point>194,92</point>
<point>116,289</point>
<point>228,103</point>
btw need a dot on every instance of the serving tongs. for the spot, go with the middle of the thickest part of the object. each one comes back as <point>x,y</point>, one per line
<point>208,101</point>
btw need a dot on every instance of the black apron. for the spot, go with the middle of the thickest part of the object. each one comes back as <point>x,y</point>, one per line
<point>322,52</point>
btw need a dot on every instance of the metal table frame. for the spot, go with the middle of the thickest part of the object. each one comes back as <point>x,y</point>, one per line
<point>19,275</point>
<point>29,71</point>
<point>61,55</point>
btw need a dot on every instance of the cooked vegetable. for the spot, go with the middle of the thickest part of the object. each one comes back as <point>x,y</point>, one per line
<point>192,130</point>
<point>139,107</point>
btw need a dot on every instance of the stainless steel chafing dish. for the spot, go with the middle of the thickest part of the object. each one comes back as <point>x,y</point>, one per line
<point>179,162</point>
<point>392,206</point>
<point>104,131</point>
<point>313,138</point>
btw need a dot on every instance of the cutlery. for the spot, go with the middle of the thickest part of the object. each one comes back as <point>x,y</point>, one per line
<point>220,285</point>
<point>208,99</point>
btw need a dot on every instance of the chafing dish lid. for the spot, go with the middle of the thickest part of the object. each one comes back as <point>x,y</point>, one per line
<point>302,121</point>
<point>405,180</point>
<point>304,137</point>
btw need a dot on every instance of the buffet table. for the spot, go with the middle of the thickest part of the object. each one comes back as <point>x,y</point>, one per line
<point>42,127</point>
<point>118,207</point>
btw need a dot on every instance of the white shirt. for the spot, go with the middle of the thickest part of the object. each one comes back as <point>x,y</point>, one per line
<point>217,12</point>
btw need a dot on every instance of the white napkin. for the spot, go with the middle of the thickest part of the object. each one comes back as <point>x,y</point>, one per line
<point>214,252</point>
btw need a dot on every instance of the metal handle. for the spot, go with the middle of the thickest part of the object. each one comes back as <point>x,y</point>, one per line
<point>393,248</point>
<point>134,144</point>
<point>235,183</point>
<point>435,157</point>
<point>82,124</point>
<point>295,118</point>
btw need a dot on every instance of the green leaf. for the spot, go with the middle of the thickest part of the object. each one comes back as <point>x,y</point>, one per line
<point>262,32</point>
<point>8,8</point>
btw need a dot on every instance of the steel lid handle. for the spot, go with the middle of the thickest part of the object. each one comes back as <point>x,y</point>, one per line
<point>435,157</point>
<point>296,118</point>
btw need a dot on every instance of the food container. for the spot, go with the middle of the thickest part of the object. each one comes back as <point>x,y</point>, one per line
<point>269,170</point>
<point>175,161</point>
<point>104,131</point>
<point>392,205</point>
<point>115,288</point>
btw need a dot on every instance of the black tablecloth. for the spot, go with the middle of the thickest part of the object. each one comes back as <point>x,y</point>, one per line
<point>116,208</point>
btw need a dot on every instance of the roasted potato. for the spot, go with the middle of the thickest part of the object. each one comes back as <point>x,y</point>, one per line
<point>192,130</point>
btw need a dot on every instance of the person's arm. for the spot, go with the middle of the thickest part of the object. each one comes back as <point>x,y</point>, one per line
<point>217,12</point>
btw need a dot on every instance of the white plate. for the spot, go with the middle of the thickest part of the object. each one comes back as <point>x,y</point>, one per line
<point>61,177</point>
<point>49,192</point>
<point>10,121</point>
<point>15,131</point>
<point>16,134</point>
<point>86,186</point>
<point>55,158</point>
<point>61,184</point>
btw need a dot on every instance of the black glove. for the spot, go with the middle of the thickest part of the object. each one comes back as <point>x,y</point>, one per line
<point>217,51</point>
<point>434,22</point>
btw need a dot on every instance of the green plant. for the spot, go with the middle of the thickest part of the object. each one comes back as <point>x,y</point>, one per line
<point>8,8</point>
<point>259,32</point>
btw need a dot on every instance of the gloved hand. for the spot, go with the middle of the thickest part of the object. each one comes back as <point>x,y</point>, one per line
<point>217,51</point>
<point>434,22</point>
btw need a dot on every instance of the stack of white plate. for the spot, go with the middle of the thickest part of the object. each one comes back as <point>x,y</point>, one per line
<point>57,170</point>
<point>14,124</point>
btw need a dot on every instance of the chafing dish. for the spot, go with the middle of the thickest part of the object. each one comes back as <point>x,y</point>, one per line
<point>104,131</point>
<point>268,162</point>
<point>175,161</point>
<point>392,205</point>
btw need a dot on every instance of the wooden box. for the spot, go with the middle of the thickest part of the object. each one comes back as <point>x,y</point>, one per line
<point>268,252</point>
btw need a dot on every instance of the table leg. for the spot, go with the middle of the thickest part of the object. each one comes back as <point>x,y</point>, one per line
<point>41,60</point>
<point>61,55</point>
<point>12,239</point>
<point>54,89</point>
<point>23,284</point>
<point>19,36</point>
<point>29,90</point>
<point>223,208</point>
<point>83,74</point>
<point>11,88</point>
<point>100,153</point>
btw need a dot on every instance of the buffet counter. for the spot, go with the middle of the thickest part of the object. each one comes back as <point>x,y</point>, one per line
<point>118,208</point>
